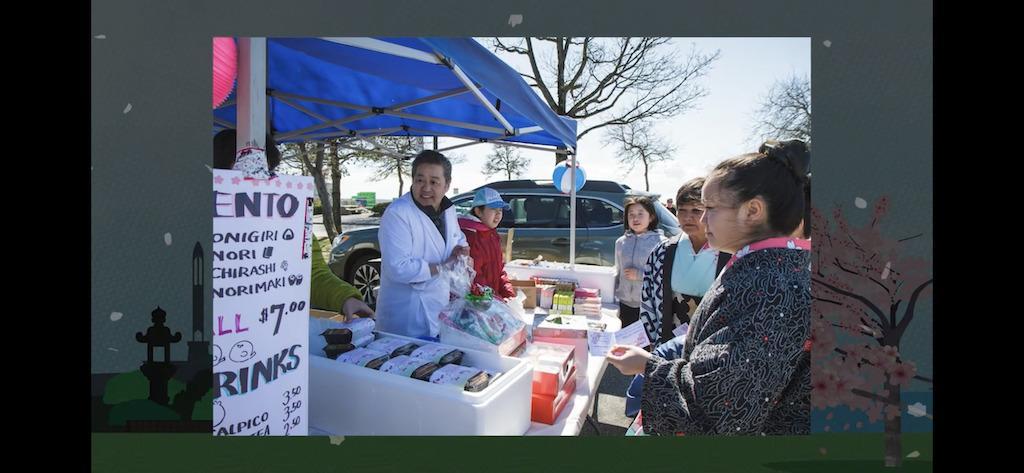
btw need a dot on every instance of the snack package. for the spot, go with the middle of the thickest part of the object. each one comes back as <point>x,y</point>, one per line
<point>333,350</point>
<point>466,378</point>
<point>438,354</point>
<point>405,365</point>
<point>337,336</point>
<point>392,346</point>
<point>363,357</point>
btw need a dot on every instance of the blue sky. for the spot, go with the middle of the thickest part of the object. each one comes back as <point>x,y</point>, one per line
<point>718,128</point>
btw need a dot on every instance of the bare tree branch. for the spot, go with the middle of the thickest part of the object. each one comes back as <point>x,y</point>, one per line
<point>507,160</point>
<point>785,112</point>
<point>536,74</point>
<point>387,166</point>
<point>613,81</point>
<point>638,144</point>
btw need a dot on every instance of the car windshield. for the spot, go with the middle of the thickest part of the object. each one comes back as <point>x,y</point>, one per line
<point>666,217</point>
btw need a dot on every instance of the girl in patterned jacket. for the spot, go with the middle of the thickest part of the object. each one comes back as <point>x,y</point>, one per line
<point>745,366</point>
<point>678,272</point>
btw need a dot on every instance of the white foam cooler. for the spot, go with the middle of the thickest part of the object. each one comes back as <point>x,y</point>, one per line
<point>596,277</point>
<point>346,399</point>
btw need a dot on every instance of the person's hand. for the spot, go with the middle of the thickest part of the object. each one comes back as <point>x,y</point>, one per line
<point>354,308</point>
<point>631,274</point>
<point>629,360</point>
<point>456,253</point>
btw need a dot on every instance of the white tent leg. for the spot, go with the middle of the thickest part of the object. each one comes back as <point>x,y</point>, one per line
<point>252,92</point>
<point>572,213</point>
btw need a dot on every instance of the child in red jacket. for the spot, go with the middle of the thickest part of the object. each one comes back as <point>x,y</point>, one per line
<point>485,243</point>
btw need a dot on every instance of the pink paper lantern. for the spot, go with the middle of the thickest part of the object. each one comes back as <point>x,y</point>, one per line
<point>225,69</point>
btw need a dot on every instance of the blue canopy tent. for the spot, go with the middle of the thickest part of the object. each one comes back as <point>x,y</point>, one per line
<point>360,88</point>
<point>321,88</point>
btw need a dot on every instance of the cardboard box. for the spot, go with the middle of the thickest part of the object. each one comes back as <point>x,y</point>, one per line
<point>529,288</point>
<point>547,295</point>
<point>546,408</point>
<point>568,330</point>
<point>453,337</point>
<point>581,354</point>
<point>552,364</point>
<point>562,326</point>
<point>326,314</point>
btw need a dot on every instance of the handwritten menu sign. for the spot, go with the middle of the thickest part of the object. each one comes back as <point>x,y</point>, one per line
<point>262,237</point>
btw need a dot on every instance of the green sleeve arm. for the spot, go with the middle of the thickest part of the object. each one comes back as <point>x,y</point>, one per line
<point>327,291</point>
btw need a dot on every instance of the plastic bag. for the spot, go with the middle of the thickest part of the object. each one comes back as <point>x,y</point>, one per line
<point>459,274</point>
<point>483,316</point>
<point>516,304</point>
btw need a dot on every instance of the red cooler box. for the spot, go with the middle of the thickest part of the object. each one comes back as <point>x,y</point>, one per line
<point>552,365</point>
<point>546,408</point>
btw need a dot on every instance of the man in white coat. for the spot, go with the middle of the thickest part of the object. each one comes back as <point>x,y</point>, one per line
<point>418,233</point>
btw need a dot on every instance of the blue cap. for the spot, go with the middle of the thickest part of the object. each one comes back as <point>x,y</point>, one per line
<point>490,198</point>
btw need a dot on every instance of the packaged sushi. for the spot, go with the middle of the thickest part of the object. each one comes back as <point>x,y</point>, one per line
<point>362,341</point>
<point>335,349</point>
<point>335,336</point>
<point>438,354</point>
<point>360,327</point>
<point>462,377</point>
<point>364,357</point>
<point>393,346</point>
<point>423,372</point>
<point>404,365</point>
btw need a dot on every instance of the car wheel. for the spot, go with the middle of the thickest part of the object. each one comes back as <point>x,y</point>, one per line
<point>366,278</point>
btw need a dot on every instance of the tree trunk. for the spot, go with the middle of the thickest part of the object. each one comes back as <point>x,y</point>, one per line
<point>647,183</point>
<point>317,171</point>
<point>559,157</point>
<point>561,49</point>
<point>325,205</point>
<point>401,182</point>
<point>509,172</point>
<point>893,430</point>
<point>335,188</point>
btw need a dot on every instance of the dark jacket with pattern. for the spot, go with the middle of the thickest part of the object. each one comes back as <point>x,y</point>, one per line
<point>657,297</point>
<point>744,368</point>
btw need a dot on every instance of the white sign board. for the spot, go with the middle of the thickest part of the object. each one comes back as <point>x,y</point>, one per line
<point>599,342</point>
<point>262,232</point>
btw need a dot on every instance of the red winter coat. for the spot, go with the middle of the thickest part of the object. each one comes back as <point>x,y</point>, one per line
<point>488,261</point>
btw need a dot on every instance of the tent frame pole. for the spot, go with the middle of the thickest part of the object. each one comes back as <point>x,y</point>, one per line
<point>385,47</point>
<point>252,97</point>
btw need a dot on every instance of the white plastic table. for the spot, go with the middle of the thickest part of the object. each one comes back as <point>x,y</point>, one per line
<point>575,413</point>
